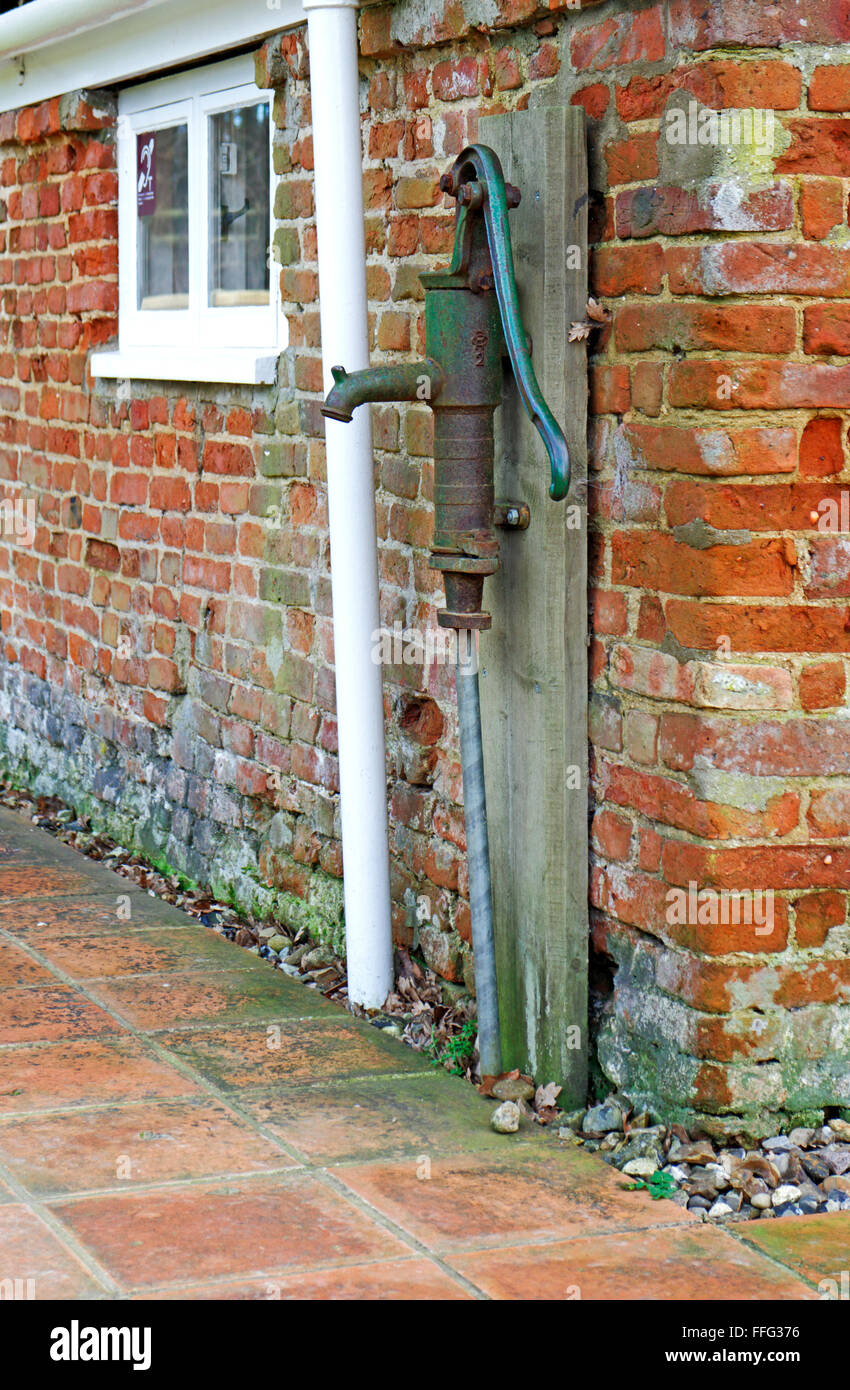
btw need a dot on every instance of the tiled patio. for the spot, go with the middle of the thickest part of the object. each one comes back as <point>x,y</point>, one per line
<point>177,1120</point>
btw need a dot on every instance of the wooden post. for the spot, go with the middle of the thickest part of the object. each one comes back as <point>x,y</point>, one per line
<point>534,661</point>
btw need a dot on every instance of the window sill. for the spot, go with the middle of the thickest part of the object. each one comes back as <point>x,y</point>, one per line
<point>252,366</point>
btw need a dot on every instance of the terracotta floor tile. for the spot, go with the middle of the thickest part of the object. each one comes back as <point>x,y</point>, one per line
<point>818,1247</point>
<point>137,951</point>
<point>379,1117</point>
<point>524,1195</point>
<point>29,1250</point>
<point>117,1146</point>
<point>19,971</point>
<point>88,913</point>
<point>417,1280</point>
<point>235,1229</point>
<point>45,1013</point>
<point>29,880</point>
<point>699,1263</point>
<point>241,995</point>
<point>304,1051</point>
<point>86,1072</point>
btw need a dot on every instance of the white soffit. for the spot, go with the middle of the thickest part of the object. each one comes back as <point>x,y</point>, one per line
<point>104,44</point>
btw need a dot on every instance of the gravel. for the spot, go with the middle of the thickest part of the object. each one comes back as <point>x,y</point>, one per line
<point>795,1174</point>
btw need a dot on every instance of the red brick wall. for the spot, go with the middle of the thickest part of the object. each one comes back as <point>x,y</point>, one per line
<point>719,604</point>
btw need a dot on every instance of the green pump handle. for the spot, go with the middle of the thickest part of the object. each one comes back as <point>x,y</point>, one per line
<point>477,181</point>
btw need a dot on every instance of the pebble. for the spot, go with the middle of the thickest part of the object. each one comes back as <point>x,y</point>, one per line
<point>573,1120</point>
<point>505,1118</point>
<point>815,1166</point>
<point>699,1152</point>
<point>789,1209</point>
<point>780,1143</point>
<point>640,1168</point>
<point>697,1203</point>
<point>512,1088</point>
<point>677,1171</point>
<point>838,1159</point>
<point>760,1201</point>
<point>785,1193</point>
<point>808,1205</point>
<point>801,1138</point>
<point>601,1119</point>
<point>837,1183</point>
<point>840,1128</point>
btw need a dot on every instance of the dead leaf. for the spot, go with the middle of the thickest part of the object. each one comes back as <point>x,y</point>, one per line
<point>578,331</point>
<point>546,1096</point>
<point>597,312</point>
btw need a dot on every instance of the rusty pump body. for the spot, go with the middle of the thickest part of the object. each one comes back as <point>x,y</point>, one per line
<point>472,321</point>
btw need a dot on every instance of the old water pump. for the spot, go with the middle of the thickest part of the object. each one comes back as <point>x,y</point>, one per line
<point>472,322</point>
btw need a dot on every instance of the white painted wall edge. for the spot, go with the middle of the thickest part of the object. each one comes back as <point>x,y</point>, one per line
<point>134,42</point>
<point>334,84</point>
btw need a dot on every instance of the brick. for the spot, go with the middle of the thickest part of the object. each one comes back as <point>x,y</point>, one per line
<point>655,561</point>
<point>719,82</point>
<point>612,835</point>
<point>819,145</point>
<point>451,81</point>
<point>793,627</point>
<point>821,452</point>
<point>610,390</point>
<point>544,63</point>
<point>674,327</point>
<point>821,207</point>
<point>715,207</point>
<point>822,685</point>
<point>632,160</point>
<point>753,24</point>
<point>670,803</point>
<point>829,88</point>
<point>722,385</point>
<point>711,451</point>
<point>723,685</point>
<point>647,387</point>
<point>814,914</point>
<point>826,329</point>
<point>752,506</point>
<point>829,573</point>
<point>594,99</point>
<point>618,270</point>
<point>640,737</point>
<point>649,672</point>
<point>800,747</point>
<point>623,38</point>
<point>759,268</point>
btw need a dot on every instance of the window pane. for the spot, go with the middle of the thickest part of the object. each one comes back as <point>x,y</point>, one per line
<point>239,206</point>
<point>162,214</point>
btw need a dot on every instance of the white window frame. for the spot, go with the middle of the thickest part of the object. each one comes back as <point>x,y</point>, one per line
<point>235,343</point>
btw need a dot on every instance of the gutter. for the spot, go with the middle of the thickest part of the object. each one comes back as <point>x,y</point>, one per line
<point>41,22</point>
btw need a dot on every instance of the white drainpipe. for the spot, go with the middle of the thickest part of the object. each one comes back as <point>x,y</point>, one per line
<point>334,93</point>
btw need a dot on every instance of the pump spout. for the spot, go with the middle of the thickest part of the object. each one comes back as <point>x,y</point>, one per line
<point>408,381</point>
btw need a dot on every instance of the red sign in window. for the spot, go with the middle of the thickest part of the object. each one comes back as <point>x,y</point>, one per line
<point>145,174</point>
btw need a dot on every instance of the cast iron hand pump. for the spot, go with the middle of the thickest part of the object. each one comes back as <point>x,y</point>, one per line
<point>472,321</point>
